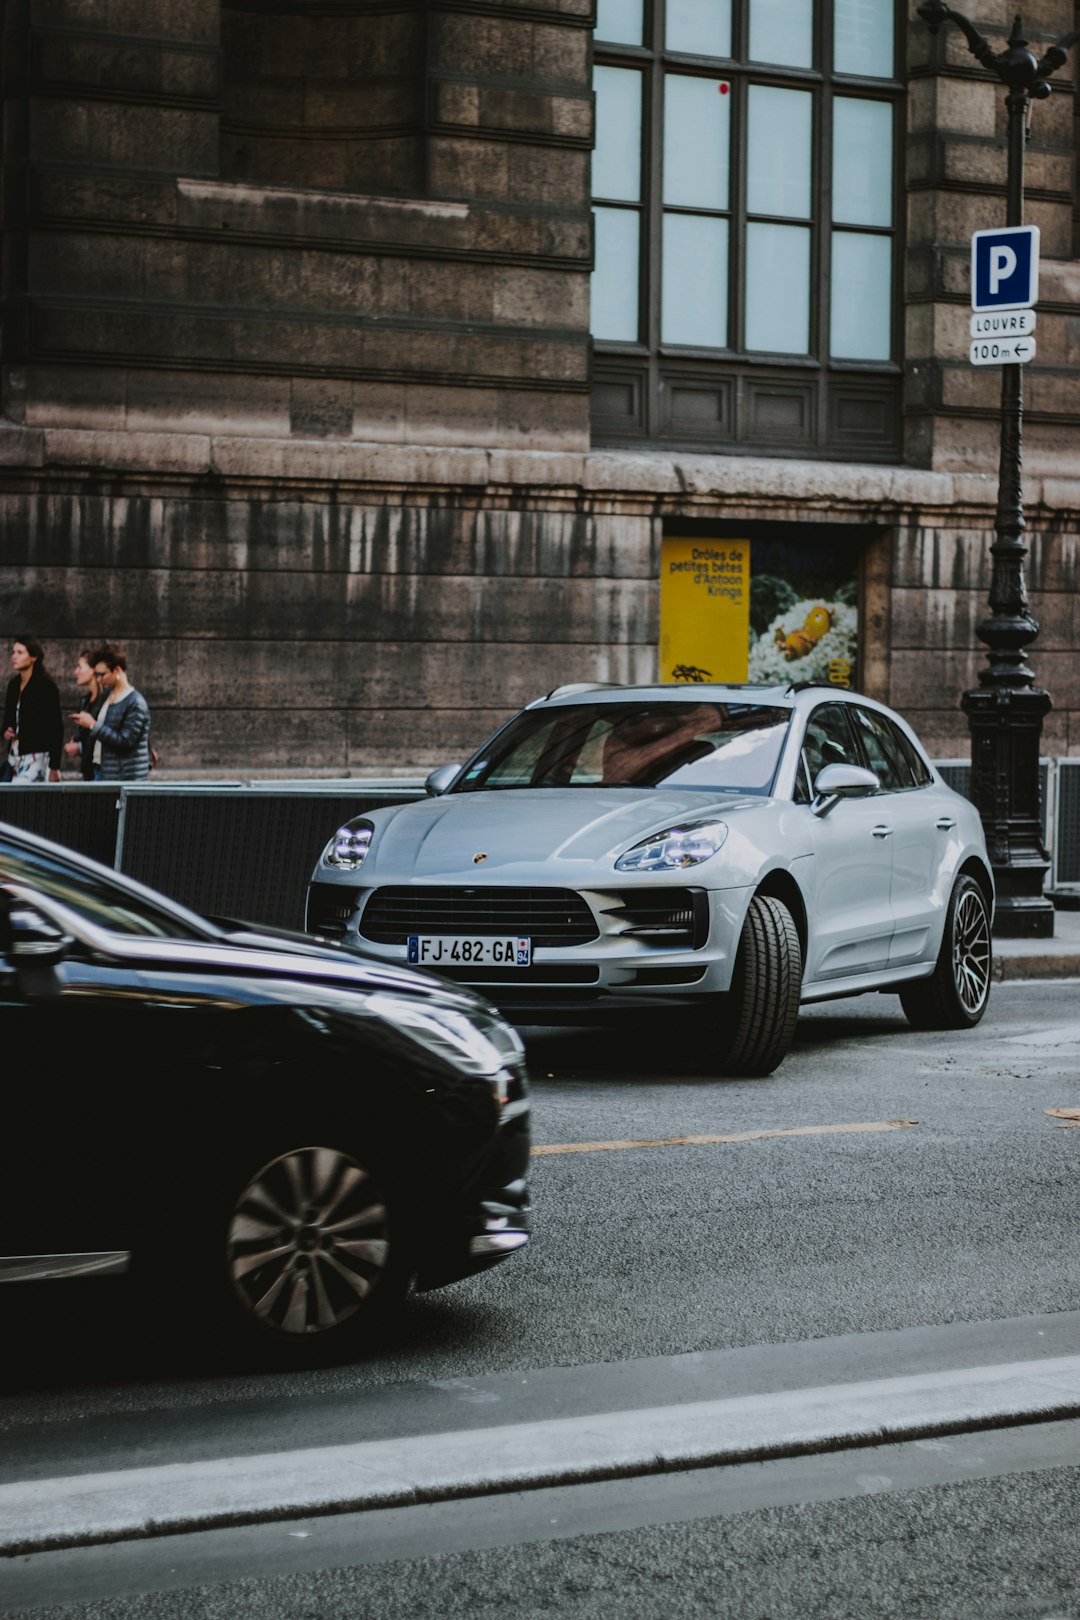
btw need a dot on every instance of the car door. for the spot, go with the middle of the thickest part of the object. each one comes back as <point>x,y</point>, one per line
<point>906,807</point>
<point>851,923</point>
<point>70,1035</point>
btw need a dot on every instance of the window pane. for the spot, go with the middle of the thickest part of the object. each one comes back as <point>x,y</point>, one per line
<point>616,164</point>
<point>778,152</point>
<point>695,280</point>
<point>703,26</point>
<point>619,20</point>
<point>862,173</point>
<point>861,296</point>
<point>778,288</point>
<point>697,120</point>
<point>782,31</point>
<point>864,34</point>
<point>615,279</point>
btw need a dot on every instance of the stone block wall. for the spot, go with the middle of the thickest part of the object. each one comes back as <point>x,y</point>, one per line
<point>349,221</point>
<point>294,376</point>
<point>956,174</point>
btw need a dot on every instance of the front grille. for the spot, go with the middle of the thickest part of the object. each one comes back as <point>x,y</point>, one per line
<point>547,916</point>
<point>677,919</point>
<point>329,909</point>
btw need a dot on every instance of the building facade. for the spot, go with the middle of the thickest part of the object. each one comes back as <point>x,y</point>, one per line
<point>349,386</point>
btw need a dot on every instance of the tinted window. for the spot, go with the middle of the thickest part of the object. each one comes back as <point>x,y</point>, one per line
<point>716,747</point>
<point>920,771</point>
<point>106,905</point>
<point>828,741</point>
<point>887,758</point>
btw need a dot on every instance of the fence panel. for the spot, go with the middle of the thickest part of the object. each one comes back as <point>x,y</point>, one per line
<point>1067,824</point>
<point>82,817</point>
<point>235,853</point>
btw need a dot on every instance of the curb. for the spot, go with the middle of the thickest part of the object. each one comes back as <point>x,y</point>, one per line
<point>92,1509</point>
<point>1063,965</point>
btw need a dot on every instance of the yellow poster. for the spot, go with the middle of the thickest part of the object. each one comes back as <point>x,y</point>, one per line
<point>704,609</point>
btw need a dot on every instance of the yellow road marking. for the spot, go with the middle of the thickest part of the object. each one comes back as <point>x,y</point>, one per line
<point>738,1136</point>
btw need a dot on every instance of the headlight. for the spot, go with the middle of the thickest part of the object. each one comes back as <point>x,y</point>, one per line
<point>480,1045</point>
<point>349,845</point>
<point>674,847</point>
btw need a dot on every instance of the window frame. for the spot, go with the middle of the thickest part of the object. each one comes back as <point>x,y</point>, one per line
<point>648,356</point>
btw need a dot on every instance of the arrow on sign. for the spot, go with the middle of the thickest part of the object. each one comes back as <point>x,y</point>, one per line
<point>1013,351</point>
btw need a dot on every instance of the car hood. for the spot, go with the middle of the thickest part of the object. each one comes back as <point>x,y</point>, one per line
<point>530,826</point>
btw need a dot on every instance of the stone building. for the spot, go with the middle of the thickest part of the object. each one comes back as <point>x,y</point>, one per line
<point>311,395</point>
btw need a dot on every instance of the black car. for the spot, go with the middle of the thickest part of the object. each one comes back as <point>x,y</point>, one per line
<point>269,1133</point>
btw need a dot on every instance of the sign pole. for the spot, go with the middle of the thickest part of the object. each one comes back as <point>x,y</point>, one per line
<point>1006,710</point>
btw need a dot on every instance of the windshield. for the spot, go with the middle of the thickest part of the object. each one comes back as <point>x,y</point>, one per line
<point>94,898</point>
<point>717,747</point>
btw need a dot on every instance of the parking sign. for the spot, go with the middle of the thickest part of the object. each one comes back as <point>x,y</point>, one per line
<point>1005,268</point>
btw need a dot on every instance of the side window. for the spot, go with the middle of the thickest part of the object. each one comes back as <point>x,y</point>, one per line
<point>919,769</point>
<point>888,760</point>
<point>828,741</point>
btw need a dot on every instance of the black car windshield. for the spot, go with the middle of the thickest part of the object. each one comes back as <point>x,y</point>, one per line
<point>96,899</point>
<point>717,747</point>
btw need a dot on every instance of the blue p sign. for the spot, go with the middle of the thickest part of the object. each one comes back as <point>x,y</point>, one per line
<point>1005,268</point>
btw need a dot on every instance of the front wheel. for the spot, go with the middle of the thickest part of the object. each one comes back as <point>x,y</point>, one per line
<point>956,993</point>
<point>756,1026</point>
<point>308,1246</point>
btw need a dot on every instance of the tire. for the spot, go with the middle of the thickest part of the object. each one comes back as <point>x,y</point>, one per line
<point>956,993</point>
<point>757,1024</point>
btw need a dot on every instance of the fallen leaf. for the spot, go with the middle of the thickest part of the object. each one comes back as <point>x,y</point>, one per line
<point>1067,1116</point>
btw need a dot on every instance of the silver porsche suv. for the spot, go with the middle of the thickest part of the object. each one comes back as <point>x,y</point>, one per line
<point>720,852</point>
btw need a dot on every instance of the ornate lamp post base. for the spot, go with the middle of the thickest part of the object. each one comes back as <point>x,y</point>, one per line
<point>1006,728</point>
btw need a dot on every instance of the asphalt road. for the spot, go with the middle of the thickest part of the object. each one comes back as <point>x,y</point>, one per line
<point>965,1213</point>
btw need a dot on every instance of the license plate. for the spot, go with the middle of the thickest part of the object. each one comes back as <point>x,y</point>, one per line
<point>452,950</point>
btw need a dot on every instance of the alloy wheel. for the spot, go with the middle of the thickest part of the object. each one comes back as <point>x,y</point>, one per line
<point>971,950</point>
<point>308,1242</point>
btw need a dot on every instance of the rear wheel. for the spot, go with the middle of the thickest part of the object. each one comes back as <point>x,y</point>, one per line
<point>956,993</point>
<point>756,1025</point>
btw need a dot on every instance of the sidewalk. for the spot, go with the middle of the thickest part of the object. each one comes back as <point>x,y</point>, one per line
<point>559,1426</point>
<point>1056,958</point>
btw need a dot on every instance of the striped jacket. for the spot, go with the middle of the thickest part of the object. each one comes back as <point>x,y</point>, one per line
<point>124,734</point>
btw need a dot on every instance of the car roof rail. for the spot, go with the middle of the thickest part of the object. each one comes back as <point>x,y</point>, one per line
<point>579,686</point>
<point>806,686</point>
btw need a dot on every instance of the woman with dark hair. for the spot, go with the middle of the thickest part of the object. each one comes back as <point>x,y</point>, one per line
<point>33,725</point>
<point>93,696</point>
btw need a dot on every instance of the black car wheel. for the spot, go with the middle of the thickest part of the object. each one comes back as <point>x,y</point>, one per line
<point>956,993</point>
<point>756,1024</point>
<point>309,1251</point>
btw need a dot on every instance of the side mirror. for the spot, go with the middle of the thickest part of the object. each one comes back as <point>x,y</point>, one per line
<point>32,939</point>
<point>440,779</point>
<point>838,782</point>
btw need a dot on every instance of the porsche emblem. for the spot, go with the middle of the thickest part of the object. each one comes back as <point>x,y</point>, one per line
<point>478,858</point>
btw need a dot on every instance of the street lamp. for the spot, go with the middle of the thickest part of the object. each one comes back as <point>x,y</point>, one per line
<point>1005,711</point>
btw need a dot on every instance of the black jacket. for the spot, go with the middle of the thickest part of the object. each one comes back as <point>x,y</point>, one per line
<point>41,727</point>
<point>88,705</point>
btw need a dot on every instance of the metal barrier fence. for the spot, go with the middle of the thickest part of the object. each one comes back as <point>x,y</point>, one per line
<point>222,849</point>
<point>230,850</point>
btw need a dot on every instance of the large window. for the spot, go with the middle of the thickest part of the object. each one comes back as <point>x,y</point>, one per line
<point>746,224</point>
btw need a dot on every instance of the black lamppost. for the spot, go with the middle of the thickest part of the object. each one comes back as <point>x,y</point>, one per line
<point>1005,711</point>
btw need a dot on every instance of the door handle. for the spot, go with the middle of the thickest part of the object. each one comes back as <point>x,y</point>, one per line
<point>946,824</point>
<point>882,832</point>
